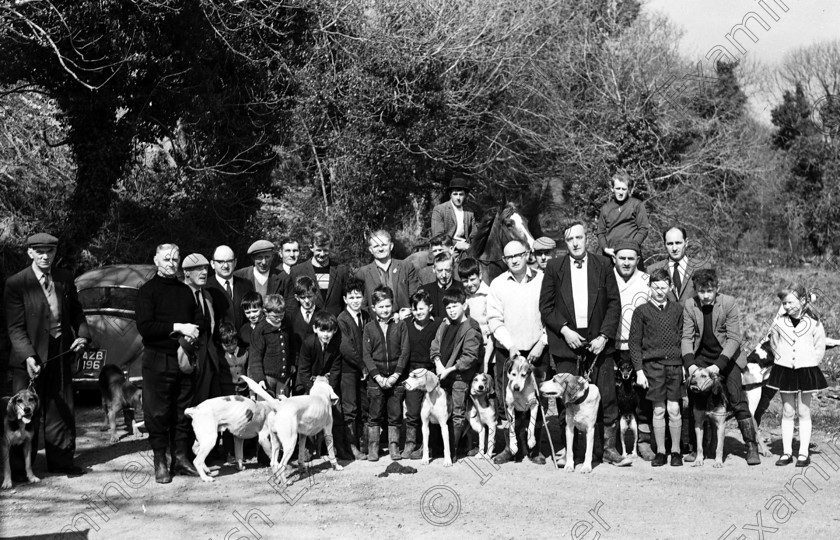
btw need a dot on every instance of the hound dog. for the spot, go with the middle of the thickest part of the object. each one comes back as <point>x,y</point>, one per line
<point>709,402</point>
<point>759,363</point>
<point>18,412</point>
<point>581,401</point>
<point>520,395</point>
<point>628,402</point>
<point>243,417</point>
<point>118,394</point>
<point>296,418</point>
<point>482,414</point>
<point>434,409</point>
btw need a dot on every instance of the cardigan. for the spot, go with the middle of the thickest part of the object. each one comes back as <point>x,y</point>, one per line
<point>625,221</point>
<point>655,334</point>
<point>799,347</point>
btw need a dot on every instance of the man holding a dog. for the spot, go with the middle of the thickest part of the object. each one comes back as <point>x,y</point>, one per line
<point>46,322</point>
<point>581,307</point>
<point>513,317</point>
<point>712,341</point>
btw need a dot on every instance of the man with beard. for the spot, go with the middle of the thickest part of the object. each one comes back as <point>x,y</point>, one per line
<point>166,308</point>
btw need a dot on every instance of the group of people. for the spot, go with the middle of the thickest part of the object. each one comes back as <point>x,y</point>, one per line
<point>284,324</point>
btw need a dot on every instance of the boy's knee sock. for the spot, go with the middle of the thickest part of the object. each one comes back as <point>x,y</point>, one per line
<point>804,435</point>
<point>675,427</point>
<point>787,435</point>
<point>659,432</point>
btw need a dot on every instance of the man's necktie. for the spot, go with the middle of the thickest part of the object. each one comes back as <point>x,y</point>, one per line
<point>47,283</point>
<point>578,263</point>
<point>200,301</point>
<point>676,279</point>
<point>359,319</point>
<point>227,289</point>
<point>307,315</point>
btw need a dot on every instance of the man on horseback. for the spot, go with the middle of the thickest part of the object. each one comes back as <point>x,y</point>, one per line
<point>451,218</point>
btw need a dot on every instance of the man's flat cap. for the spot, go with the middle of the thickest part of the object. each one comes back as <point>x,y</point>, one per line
<point>41,240</point>
<point>544,243</point>
<point>458,183</point>
<point>259,246</point>
<point>195,260</point>
<point>628,244</point>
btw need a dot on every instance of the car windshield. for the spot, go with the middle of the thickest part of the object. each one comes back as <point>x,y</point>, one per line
<point>99,298</point>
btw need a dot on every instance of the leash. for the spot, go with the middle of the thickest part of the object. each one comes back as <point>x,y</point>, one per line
<point>581,361</point>
<point>545,421</point>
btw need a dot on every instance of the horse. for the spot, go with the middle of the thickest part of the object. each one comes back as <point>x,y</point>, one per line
<point>489,238</point>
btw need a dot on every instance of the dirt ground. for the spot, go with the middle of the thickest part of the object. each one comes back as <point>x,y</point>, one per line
<point>118,498</point>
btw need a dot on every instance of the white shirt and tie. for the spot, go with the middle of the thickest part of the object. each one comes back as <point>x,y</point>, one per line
<point>580,291</point>
<point>227,285</point>
<point>677,282</point>
<point>48,287</point>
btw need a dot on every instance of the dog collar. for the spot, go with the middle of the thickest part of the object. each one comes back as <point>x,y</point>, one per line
<point>582,398</point>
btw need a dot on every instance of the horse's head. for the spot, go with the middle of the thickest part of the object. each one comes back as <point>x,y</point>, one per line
<point>515,225</point>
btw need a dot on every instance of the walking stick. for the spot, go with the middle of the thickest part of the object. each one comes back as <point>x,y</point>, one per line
<point>545,421</point>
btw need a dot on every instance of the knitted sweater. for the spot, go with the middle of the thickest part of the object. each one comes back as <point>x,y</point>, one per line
<point>161,302</point>
<point>655,334</point>
<point>268,355</point>
<point>625,221</point>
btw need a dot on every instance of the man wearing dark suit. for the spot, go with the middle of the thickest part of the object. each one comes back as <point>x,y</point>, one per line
<point>319,358</point>
<point>45,320</point>
<point>682,269</point>
<point>399,275</point>
<point>196,268</point>
<point>265,279</point>
<point>580,306</point>
<point>451,218</point>
<point>682,286</point>
<point>228,305</point>
<point>443,282</point>
<point>328,276</point>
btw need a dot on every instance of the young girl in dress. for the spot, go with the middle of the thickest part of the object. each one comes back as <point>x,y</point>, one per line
<point>797,339</point>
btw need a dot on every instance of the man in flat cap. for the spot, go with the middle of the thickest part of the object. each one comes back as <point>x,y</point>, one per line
<point>196,269</point>
<point>166,308</point>
<point>229,304</point>
<point>265,279</point>
<point>46,322</point>
<point>451,218</point>
<point>543,251</point>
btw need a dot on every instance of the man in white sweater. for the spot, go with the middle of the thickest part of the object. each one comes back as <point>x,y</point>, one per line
<point>634,290</point>
<point>513,317</point>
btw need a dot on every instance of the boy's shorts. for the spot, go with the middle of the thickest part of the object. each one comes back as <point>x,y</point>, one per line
<point>664,381</point>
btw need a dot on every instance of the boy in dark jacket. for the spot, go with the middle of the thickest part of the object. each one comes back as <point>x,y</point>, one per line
<point>269,356</point>
<point>354,402</point>
<point>456,351</point>
<point>385,354</point>
<point>252,306</point>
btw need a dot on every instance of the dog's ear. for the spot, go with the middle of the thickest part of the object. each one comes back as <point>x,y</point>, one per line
<point>508,366</point>
<point>490,382</point>
<point>10,409</point>
<point>333,397</point>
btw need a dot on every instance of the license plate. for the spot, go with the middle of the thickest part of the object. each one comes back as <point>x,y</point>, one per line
<point>93,360</point>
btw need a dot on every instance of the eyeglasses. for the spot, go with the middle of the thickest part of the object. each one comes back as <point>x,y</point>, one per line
<point>515,256</point>
<point>226,261</point>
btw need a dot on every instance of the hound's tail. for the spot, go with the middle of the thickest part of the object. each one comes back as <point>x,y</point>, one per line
<point>260,391</point>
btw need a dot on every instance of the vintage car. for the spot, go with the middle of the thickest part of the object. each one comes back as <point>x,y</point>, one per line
<point>108,296</point>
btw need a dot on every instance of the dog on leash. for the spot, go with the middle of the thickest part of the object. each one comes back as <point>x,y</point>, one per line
<point>482,414</point>
<point>242,417</point>
<point>628,402</point>
<point>709,402</point>
<point>18,412</point>
<point>118,394</point>
<point>521,395</point>
<point>434,409</point>
<point>581,401</point>
<point>296,418</point>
